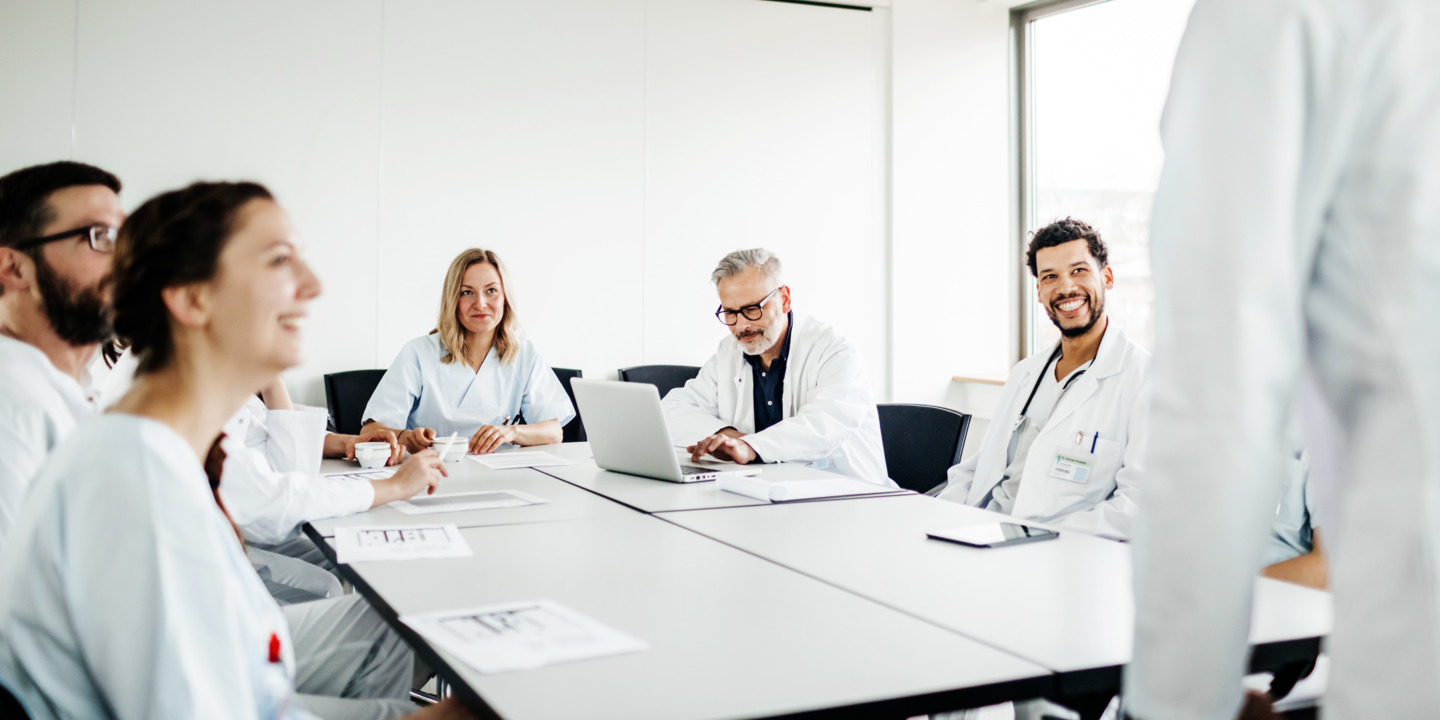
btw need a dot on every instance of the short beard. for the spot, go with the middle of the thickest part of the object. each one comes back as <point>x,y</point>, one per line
<point>1097,311</point>
<point>765,340</point>
<point>79,316</point>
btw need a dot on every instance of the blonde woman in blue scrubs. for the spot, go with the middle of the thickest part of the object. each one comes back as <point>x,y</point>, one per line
<point>474,375</point>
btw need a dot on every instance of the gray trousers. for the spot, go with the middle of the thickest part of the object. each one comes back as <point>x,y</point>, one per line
<point>292,580</point>
<point>348,662</point>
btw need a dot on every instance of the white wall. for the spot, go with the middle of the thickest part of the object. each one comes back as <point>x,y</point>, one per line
<point>611,150</point>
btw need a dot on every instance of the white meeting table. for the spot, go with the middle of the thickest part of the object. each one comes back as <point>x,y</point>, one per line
<point>1065,604</point>
<point>563,501</point>
<point>658,496</point>
<point>730,635</point>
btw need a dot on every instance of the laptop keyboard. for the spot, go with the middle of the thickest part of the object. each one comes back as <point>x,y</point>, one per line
<point>696,470</point>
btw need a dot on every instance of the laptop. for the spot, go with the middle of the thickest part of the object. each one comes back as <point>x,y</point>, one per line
<point>627,431</point>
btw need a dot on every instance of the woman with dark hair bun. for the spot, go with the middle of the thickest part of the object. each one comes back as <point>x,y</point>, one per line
<point>127,593</point>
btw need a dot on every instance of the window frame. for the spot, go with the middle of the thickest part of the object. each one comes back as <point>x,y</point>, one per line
<point>1022,88</point>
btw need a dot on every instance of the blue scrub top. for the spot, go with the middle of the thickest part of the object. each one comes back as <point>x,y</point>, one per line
<point>420,391</point>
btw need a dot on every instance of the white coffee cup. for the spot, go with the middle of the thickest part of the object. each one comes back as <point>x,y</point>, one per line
<point>372,454</point>
<point>451,449</point>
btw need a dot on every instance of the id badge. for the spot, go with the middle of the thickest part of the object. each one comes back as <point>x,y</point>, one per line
<point>1072,466</point>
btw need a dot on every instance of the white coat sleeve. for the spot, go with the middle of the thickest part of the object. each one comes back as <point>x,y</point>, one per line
<point>837,409</point>
<point>169,658</point>
<point>959,478</point>
<point>295,439</point>
<point>1227,278</point>
<point>398,392</point>
<point>27,444</point>
<point>1114,516</point>
<point>545,397</point>
<point>693,410</point>
<point>269,506</point>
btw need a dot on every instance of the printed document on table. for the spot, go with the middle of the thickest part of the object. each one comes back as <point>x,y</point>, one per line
<point>363,544</point>
<point>480,500</point>
<point>520,636</point>
<point>521,459</point>
<point>361,473</point>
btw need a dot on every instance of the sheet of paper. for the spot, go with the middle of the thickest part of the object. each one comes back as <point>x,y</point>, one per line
<point>798,489</point>
<point>519,459</point>
<point>365,544</point>
<point>519,636</point>
<point>480,500</point>
<point>359,473</point>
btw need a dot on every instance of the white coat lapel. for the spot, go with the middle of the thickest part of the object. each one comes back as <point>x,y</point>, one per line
<point>993,456</point>
<point>1108,361</point>
<point>794,369</point>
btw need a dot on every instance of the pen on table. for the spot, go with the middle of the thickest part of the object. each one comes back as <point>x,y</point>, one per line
<point>1094,440</point>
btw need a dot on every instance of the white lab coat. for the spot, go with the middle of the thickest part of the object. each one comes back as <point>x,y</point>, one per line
<point>830,421</point>
<point>127,594</point>
<point>39,407</point>
<point>420,391</point>
<point>1112,399</point>
<point>1298,219</point>
<point>270,484</point>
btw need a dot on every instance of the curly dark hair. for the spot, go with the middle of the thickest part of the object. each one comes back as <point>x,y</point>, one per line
<point>1061,232</point>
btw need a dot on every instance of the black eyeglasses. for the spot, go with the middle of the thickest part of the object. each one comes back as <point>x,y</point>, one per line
<point>101,237</point>
<point>751,312</point>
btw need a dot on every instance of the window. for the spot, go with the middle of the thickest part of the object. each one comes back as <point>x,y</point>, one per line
<point>1092,85</point>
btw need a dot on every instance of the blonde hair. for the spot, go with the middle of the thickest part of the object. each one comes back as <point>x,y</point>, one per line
<point>508,337</point>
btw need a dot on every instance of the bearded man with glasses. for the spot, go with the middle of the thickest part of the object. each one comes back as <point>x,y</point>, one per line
<point>782,387</point>
<point>57,230</point>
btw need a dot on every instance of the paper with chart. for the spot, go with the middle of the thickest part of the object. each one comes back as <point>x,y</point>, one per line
<point>519,636</point>
<point>364,544</point>
<point>455,502</point>
<point>353,474</point>
<point>519,459</point>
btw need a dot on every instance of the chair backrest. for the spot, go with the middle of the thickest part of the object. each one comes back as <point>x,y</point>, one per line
<point>921,443</point>
<point>10,707</point>
<point>575,429</point>
<point>664,377</point>
<point>346,394</point>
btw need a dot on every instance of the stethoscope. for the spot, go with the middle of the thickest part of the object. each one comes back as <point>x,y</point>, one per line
<point>1019,421</point>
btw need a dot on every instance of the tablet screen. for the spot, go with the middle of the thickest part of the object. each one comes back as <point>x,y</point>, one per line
<point>993,534</point>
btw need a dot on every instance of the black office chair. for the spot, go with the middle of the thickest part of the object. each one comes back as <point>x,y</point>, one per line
<point>921,443</point>
<point>10,707</point>
<point>664,377</point>
<point>575,430</point>
<point>346,394</point>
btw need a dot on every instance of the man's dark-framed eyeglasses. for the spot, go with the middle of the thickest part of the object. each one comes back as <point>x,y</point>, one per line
<point>101,237</point>
<point>751,312</point>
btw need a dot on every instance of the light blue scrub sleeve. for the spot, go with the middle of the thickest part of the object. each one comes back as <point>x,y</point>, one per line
<point>399,391</point>
<point>545,397</point>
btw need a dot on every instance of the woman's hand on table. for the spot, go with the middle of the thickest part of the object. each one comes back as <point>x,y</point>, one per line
<point>490,437</point>
<point>418,439</point>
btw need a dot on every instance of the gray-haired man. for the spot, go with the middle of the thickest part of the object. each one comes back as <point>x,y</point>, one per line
<point>783,387</point>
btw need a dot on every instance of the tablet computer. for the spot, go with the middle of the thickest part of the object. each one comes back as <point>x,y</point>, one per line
<point>996,534</point>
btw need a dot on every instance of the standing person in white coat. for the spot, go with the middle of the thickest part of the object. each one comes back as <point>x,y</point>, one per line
<point>1297,223</point>
<point>1064,445</point>
<point>127,591</point>
<point>57,231</point>
<point>475,374</point>
<point>783,388</point>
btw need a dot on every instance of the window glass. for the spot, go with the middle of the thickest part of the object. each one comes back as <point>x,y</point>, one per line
<point>1098,79</point>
